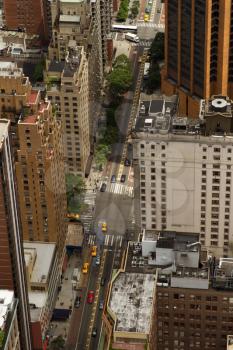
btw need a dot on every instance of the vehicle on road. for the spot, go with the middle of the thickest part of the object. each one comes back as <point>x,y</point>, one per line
<point>90,297</point>
<point>103,187</point>
<point>85,268</point>
<point>127,162</point>
<point>94,332</point>
<point>97,260</point>
<point>123,178</point>
<point>146,17</point>
<point>124,28</point>
<point>102,282</point>
<point>77,302</point>
<point>158,10</point>
<point>94,250</point>
<point>148,10</point>
<point>104,227</point>
<point>132,37</point>
<point>101,304</point>
<point>113,179</point>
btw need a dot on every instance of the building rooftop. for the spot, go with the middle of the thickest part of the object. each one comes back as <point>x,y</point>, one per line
<point>73,60</point>
<point>37,301</point>
<point>44,255</point>
<point>10,69</point>
<point>75,235</point>
<point>4,125</point>
<point>158,115</point>
<point>6,301</point>
<point>131,301</point>
<point>71,1</point>
<point>70,18</point>
<point>230,342</point>
<point>56,66</point>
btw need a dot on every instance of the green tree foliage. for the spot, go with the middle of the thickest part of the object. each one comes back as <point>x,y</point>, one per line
<point>75,190</point>
<point>135,9</point>
<point>57,343</point>
<point>157,48</point>
<point>123,11</point>
<point>38,72</point>
<point>120,78</point>
<point>2,335</point>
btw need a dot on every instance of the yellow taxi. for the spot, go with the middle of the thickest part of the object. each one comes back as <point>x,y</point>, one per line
<point>85,268</point>
<point>146,17</point>
<point>104,227</point>
<point>93,250</point>
<point>73,216</point>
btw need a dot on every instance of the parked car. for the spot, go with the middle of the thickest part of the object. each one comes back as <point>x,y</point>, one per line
<point>103,280</point>
<point>113,179</point>
<point>104,227</point>
<point>94,332</point>
<point>127,162</point>
<point>77,302</point>
<point>101,304</point>
<point>97,261</point>
<point>103,187</point>
<point>123,177</point>
<point>90,297</point>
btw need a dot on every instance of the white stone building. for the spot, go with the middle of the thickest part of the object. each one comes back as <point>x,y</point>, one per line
<point>184,170</point>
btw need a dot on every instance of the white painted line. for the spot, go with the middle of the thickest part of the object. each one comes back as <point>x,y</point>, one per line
<point>112,240</point>
<point>106,240</point>
<point>120,242</point>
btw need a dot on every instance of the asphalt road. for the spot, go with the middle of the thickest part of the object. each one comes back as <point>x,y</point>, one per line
<point>115,210</point>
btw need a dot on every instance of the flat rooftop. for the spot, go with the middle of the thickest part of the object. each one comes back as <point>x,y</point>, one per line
<point>71,1</point>
<point>4,125</point>
<point>44,256</point>
<point>75,234</point>
<point>230,342</point>
<point>10,69</point>
<point>6,302</point>
<point>131,300</point>
<point>69,18</point>
<point>37,301</point>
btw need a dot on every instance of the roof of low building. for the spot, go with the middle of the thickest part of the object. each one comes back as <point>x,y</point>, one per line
<point>132,301</point>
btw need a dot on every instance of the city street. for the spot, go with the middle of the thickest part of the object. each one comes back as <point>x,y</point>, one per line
<point>115,208</point>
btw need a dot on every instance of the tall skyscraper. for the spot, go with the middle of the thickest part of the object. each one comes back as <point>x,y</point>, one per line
<point>40,176</point>
<point>198,51</point>
<point>12,274</point>
<point>28,15</point>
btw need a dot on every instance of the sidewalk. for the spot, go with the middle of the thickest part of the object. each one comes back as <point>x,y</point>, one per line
<point>66,297</point>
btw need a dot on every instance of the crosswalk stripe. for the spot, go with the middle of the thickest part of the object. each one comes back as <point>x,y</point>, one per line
<point>112,240</point>
<point>118,188</point>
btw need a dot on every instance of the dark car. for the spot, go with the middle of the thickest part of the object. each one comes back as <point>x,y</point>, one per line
<point>77,302</point>
<point>127,162</point>
<point>94,332</point>
<point>113,179</point>
<point>103,187</point>
<point>123,177</point>
<point>103,280</point>
<point>101,304</point>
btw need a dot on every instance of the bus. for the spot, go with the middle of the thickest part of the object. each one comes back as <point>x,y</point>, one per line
<point>124,28</point>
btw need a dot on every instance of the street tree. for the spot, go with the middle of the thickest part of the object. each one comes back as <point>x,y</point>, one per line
<point>57,344</point>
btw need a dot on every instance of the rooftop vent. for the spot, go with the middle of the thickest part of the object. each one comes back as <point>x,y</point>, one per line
<point>148,123</point>
<point>219,104</point>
